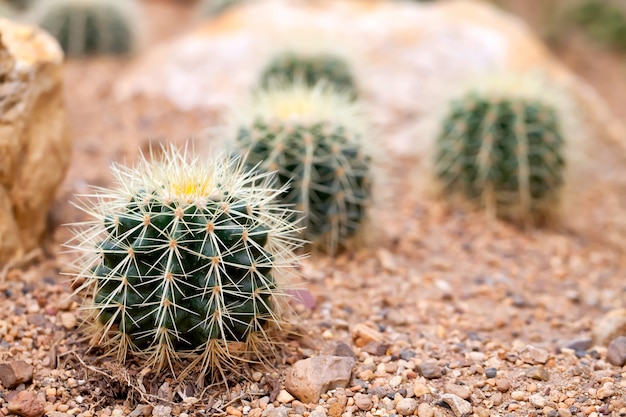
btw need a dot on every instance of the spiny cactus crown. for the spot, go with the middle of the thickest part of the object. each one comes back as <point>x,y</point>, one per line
<point>182,260</point>
<point>312,138</point>
<point>504,153</point>
<point>310,69</point>
<point>86,27</point>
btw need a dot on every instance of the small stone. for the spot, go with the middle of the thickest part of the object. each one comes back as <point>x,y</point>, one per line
<point>309,378</point>
<point>343,349</point>
<point>425,410</point>
<point>318,412</point>
<point>420,389</point>
<point>25,404</point>
<point>491,372</point>
<point>395,381</point>
<point>68,320</point>
<point>581,344</point>
<point>14,373</point>
<point>232,411</point>
<point>534,356</point>
<point>518,395</point>
<point>281,411</point>
<point>363,402</point>
<point>63,408</point>
<point>538,373</point>
<point>609,327</point>
<point>406,406</point>
<point>605,391</point>
<point>503,385</point>
<point>429,370</point>
<point>407,354</point>
<point>377,348</point>
<point>362,335</point>
<point>256,376</point>
<point>459,406</point>
<point>161,411</point>
<point>564,412</point>
<point>461,391</point>
<point>538,400</point>
<point>284,397</point>
<point>616,352</point>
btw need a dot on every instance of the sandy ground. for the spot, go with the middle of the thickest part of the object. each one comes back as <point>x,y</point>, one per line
<point>443,288</point>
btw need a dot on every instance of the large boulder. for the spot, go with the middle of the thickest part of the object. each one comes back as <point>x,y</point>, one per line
<point>34,142</point>
<point>407,55</point>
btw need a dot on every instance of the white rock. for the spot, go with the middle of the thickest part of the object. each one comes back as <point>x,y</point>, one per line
<point>533,355</point>
<point>284,397</point>
<point>538,400</point>
<point>34,143</point>
<point>459,406</point>
<point>309,378</point>
<point>406,406</point>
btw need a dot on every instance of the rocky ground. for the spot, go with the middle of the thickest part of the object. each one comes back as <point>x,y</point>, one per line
<point>449,314</point>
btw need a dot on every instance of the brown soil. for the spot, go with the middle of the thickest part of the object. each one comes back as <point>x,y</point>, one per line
<point>442,285</point>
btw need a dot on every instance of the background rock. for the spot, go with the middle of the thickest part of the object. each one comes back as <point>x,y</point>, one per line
<point>34,142</point>
<point>609,326</point>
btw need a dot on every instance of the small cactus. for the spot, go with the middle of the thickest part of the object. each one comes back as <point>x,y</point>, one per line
<point>313,138</point>
<point>503,153</point>
<point>181,260</point>
<point>88,27</point>
<point>290,67</point>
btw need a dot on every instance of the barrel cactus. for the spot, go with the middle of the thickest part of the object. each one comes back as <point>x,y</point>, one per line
<point>88,27</point>
<point>288,67</point>
<point>183,262</point>
<point>312,137</point>
<point>505,153</point>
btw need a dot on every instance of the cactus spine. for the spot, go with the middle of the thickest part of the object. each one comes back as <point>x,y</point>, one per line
<point>504,153</point>
<point>290,67</point>
<point>87,27</point>
<point>312,138</point>
<point>183,260</point>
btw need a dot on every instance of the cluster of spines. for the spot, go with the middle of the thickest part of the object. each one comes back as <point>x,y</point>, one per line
<point>182,261</point>
<point>505,154</point>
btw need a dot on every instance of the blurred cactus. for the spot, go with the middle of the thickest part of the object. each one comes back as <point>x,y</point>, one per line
<point>290,67</point>
<point>88,27</point>
<point>503,153</point>
<point>603,21</point>
<point>313,138</point>
<point>182,261</point>
<point>215,7</point>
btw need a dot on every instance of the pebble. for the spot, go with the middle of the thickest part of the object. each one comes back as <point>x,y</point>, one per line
<point>581,344</point>
<point>538,400</point>
<point>284,397</point>
<point>609,326</point>
<point>363,402</point>
<point>420,389</point>
<point>68,320</point>
<point>14,373</point>
<point>233,411</point>
<point>518,395</point>
<point>281,411</point>
<point>425,410</point>
<point>503,385</point>
<point>461,391</point>
<point>406,406</point>
<point>362,335</point>
<point>533,355</point>
<point>26,404</point>
<point>318,412</point>
<point>161,411</point>
<point>491,372</point>
<point>429,370</point>
<point>538,373</point>
<point>343,349</point>
<point>605,391</point>
<point>407,354</point>
<point>616,352</point>
<point>459,406</point>
<point>307,379</point>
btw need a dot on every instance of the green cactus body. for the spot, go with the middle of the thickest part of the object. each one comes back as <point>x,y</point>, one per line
<point>504,154</point>
<point>182,261</point>
<point>321,160</point>
<point>87,27</point>
<point>310,69</point>
<point>603,20</point>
